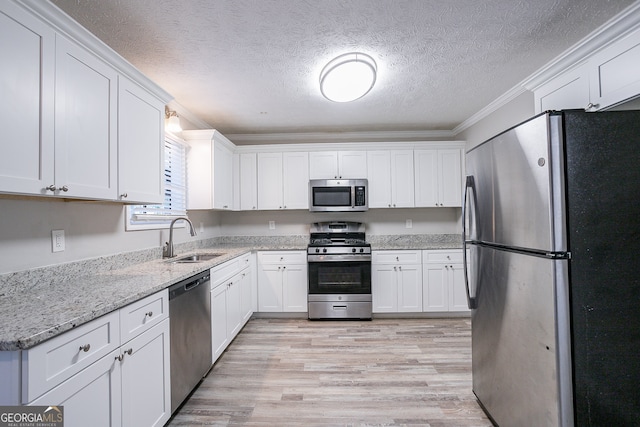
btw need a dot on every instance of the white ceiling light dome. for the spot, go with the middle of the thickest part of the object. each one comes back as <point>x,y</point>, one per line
<point>348,77</point>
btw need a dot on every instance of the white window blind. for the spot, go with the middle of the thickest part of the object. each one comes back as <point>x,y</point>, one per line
<point>175,191</point>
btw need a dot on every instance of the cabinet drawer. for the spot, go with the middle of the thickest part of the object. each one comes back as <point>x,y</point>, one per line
<point>52,362</point>
<point>282,257</point>
<point>222,272</point>
<point>443,256</point>
<point>245,260</point>
<point>141,315</point>
<point>396,257</point>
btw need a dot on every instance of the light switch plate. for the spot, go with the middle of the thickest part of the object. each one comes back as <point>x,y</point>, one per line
<point>57,240</point>
<point>272,225</point>
<point>409,224</point>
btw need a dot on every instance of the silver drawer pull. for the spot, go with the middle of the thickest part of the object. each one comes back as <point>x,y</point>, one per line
<point>129,351</point>
<point>149,313</point>
<point>85,347</point>
<point>63,188</point>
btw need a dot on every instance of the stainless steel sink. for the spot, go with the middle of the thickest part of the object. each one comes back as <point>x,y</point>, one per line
<point>195,258</point>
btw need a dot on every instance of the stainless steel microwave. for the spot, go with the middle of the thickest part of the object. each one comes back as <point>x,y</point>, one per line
<point>338,195</point>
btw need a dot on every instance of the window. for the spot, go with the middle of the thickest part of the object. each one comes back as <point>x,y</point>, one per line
<point>145,217</point>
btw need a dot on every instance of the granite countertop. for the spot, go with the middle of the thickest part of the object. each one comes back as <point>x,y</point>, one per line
<point>38,304</point>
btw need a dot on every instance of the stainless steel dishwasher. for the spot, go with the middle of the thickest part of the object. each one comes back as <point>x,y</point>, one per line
<point>190,334</point>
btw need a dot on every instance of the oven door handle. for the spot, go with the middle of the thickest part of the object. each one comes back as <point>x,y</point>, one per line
<point>339,258</point>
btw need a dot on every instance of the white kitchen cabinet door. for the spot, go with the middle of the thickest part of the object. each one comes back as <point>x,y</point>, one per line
<point>409,288</point>
<point>248,182</point>
<point>26,117</point>
<point>234,306</point>
<point>323,165</point>
<point>568,91</point>
<point>294,288</point>
<point>457,289</point>
<point>146,387</point>
<point>402,179</point>
<point>140,144</point>
<point>384,288</point>
<point>85,124</point>
<point>379,176</point>
<point>222,177</point>
<point>209,170</point>
<point>270,181</point>
<point>295,180</point>
<point>615,72</point>
<point>435,288</point>
<point>450,178</point>
<point>426,178</point>
<point>246,298</point>
<point>352,164</point>
<point>438,178</point>
<point>270,288</point>
<point>91,397</point>
<point>219,339</point>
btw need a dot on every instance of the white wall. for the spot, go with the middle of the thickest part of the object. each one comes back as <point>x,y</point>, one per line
<point>91,229</point>
<point>516,111</point>
<point>378,221</point>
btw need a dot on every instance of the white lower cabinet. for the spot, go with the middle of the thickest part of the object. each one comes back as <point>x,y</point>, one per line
<point>396,281</point>
<point>231,301</point>
<point>443,286</point>
<point>282,281</point>
<point>128,386</point>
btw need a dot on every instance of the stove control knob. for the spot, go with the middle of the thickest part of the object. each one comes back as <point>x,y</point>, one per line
<point>353,250</point>
<point>317,250</point>
<point>361,249</point>
<point>324,250</point>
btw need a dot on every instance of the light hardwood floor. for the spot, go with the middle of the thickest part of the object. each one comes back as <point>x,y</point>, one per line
<point>384,372</point>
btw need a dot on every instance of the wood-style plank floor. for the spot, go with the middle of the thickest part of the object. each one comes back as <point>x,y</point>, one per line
<point>384,372</point>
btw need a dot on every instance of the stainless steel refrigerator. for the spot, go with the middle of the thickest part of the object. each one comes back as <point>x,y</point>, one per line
<point>552,225</point>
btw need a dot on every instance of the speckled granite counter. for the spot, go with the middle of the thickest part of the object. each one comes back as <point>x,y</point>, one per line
<point>41,303</point>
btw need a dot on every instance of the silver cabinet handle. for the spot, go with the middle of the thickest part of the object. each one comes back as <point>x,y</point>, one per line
<point>51,188</point>
<point>124,195</point>
<point>590,106</point>
<point>85,347</point>
<point>129,351</point>
<point>63,188</point>
<point>120,358</point>
<point>149,313</point>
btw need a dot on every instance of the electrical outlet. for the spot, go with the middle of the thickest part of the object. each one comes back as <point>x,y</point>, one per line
<point>272,225</point>
<point>57,240</point>
<point>409,224</point>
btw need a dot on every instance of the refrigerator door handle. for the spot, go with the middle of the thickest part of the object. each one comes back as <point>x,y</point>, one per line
<point>469,184</point>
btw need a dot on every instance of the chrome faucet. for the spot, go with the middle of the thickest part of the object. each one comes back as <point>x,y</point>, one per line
<point>167,251</point>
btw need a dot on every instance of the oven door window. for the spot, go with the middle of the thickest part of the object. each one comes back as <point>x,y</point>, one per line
<point>343,277</point>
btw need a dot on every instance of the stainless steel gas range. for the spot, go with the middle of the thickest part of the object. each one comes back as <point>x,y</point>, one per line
<point>339,261</point>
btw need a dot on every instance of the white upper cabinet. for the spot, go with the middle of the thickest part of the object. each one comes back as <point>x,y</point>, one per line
<point>209,170</point>
<point>26,116</point>
<point>608,77</point>
<point>391,179</point>
<point>615,72</point>
<point>283,180</point>
<point>337,164</point>
<point>62,129</point>
<point>85,124</point>
<point>140,144</point>
<point>438,178</point>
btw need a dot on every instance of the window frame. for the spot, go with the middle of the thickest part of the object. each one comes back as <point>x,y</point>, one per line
<point>171,186</point>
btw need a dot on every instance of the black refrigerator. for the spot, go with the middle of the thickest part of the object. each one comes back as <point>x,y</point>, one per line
<point>552,226</point>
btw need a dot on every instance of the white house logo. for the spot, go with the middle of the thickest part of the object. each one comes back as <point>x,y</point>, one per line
<point>31,416</point>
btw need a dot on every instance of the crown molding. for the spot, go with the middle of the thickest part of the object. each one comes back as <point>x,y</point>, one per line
<point>67,26</point>
<point>329,137</point>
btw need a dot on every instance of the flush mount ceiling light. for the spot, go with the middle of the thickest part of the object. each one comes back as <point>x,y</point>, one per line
<point>348,77</point>
<point>173,121</point>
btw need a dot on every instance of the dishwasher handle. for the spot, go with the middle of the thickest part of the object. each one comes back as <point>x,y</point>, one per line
<point>189,284</point>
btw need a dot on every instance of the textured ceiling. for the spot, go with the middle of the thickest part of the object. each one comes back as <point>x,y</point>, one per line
<point>252,66</point>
